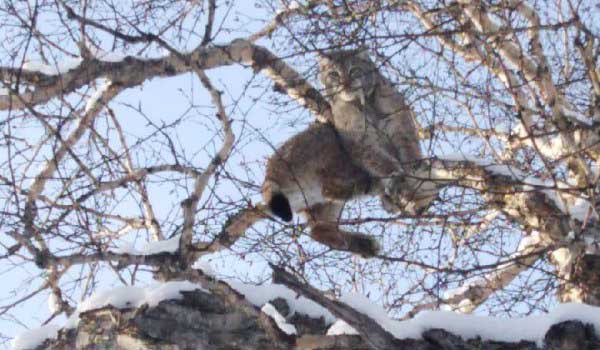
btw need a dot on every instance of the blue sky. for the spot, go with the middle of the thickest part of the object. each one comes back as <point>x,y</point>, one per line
<point>162,101</point>
<point>165,100</point>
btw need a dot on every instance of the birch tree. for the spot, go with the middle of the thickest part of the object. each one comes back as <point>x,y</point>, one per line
<point>135,134</point>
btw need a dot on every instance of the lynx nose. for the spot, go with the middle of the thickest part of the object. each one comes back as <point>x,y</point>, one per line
<point>345,80</point>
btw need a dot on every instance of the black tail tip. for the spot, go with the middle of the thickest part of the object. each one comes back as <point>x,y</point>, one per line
<point>280,206</point>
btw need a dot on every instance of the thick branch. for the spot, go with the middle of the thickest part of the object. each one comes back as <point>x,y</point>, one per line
<point>371,332</point>
<point>133,71</point>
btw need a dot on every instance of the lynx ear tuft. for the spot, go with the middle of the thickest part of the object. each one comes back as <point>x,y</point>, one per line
<point>280,206</point>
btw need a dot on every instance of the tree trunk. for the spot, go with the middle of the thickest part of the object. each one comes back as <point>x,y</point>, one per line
<point>579,276</point>
<point>203,320</point>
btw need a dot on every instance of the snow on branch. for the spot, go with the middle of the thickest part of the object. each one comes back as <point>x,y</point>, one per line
<point>35,337</point>
<point>557,193</point>
<point>373,332</point>
<point>208,311</point>
<point>374,326</point>
<point>281,16</point>
<point>122,297</point>
<point>62,67</point>
<point>169,246</point>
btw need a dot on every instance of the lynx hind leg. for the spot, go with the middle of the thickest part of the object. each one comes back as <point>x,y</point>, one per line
<point>323,221</point>
<point>342,180</point>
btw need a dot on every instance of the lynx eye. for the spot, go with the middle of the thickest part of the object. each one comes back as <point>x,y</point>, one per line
<point>333,77</point>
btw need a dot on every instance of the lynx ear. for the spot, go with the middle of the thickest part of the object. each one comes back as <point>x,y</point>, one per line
<point>363,53</point>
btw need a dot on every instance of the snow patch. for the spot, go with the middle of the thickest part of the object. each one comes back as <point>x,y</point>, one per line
<point>33,338</point>
<point>156,247</point>
<point>53,303</point>
<point>340,327</point>
<point>259,295</point>
<point>531,328</point>
<point>293,5</point>
<point>278,318</point>
<point>52,69</point>
<point>204,266</point>
<point>132,297</point>
<point>121,297</point>
<point>362,304</point>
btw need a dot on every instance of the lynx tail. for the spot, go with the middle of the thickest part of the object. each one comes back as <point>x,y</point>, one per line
<point>280,206</point>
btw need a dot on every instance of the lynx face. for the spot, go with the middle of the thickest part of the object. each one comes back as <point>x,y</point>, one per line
<point>348,75</point>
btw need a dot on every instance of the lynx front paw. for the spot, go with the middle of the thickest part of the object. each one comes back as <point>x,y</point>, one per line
<point>394,184</point>
<point>390,196</point>
<point>394,201</point>
<point>407,195</point>
<point>389,205</point>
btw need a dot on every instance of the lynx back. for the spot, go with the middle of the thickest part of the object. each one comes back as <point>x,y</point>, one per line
<point>313,175</point>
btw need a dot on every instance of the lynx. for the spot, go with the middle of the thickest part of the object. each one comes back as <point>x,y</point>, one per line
<point>371,149</point>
